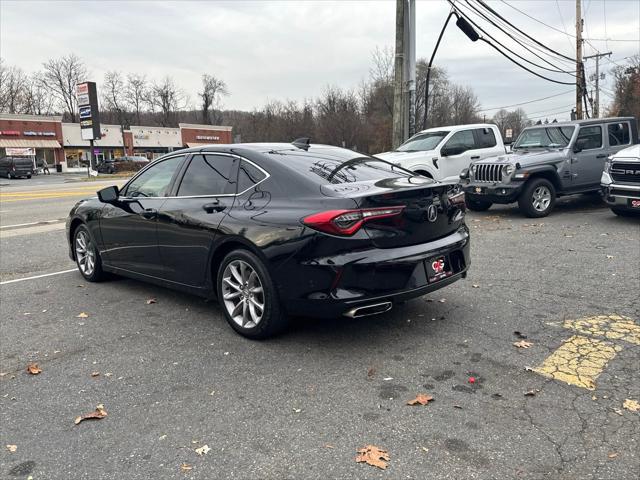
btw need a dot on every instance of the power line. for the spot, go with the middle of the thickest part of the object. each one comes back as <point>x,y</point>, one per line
<point>557,68</point>
<point>564,27</point>
<point>564,107</point>
<point>527,102</point>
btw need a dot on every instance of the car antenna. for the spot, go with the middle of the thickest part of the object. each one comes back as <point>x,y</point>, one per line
<point>302,142</point>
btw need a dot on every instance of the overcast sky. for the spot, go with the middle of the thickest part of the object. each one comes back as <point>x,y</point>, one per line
<point>268,50</point>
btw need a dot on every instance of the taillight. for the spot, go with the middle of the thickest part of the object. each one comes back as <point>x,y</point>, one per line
<point>348,222</point>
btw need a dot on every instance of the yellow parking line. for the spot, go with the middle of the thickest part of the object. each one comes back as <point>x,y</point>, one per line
<point>579,361</point>
<point>45,192</point>
<point>612,327</point>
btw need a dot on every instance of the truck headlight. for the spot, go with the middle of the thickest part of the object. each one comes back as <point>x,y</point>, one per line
<point>508,169</point>
<point>607,164</point>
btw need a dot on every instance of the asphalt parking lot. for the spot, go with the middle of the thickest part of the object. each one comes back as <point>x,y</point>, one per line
<point>173,376</point>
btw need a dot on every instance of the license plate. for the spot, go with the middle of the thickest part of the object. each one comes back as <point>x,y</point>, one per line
<point>634,203</point>
<point>478,189</point>
<point>438,268</point>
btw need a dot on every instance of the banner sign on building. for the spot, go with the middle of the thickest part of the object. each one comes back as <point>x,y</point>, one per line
<point>87,96</point>
<point>20,152</point>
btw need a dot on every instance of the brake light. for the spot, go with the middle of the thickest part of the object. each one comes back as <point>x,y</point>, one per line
<point>348,222</point>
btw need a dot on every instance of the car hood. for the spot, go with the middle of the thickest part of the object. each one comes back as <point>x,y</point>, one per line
<point>528,157</point>
<point>407,157</point>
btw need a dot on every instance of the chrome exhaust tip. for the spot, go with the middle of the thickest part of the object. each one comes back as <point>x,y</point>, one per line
<point>367,310</point>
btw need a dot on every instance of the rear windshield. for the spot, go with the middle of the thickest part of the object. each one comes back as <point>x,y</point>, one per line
<point>326,166</point>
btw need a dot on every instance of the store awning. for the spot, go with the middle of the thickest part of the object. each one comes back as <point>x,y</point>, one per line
<point>22,143</point>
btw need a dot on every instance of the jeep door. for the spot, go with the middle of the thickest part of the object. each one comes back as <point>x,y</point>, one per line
<point>588,164</point>
<point>618,136</point>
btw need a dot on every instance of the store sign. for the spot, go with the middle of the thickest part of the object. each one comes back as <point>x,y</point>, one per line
<point>207,137</point>
<point>87,96</point>
<point>38,134</point>
<point>20,152</point>
<point>10,133</point>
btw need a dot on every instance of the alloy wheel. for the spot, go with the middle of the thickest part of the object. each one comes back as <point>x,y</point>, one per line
<point>85,253</point>
<point>242,294</point>
<point>541,198</point>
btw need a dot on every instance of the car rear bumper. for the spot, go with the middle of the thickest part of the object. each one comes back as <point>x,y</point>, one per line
<point>332,287</point>
<point>491,192</point>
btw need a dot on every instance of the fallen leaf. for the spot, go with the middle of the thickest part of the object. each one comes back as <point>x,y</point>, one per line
<point>33,369</point>
<point>212,392</point>
<point>609,257</point>
<point>442,300</point>
<point>457,406</point>
<point>631,405</point>
<point>82,315</point>
<point>618,411</point>
<point>97,414</point>
<point>12,448</point>
<point>297,410</point>
<point>425,449</point>
<point>421,399</point>
<point>328,445</point>
<point>530,393</point>
<point>386,379</point>
<point>613,455</point>
<point>95,374</point>
<point>520,335</point>
<point>185,467</point>
<point>475,286</point>
<point>2,374</point>
<point>203,450</point>
<point>162,437</point>
<point>108,374</point>
<point>522,344</point>
<point>151,300</point>
<point>371,372</point>
<point>373,456</point>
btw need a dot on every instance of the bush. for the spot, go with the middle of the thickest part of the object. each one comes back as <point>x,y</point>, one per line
<point>128,166</point>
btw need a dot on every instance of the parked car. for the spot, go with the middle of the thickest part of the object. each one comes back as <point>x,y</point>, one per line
<point>277,229</point>
<point>548,161</point>
<point>442,153</point>
<point>621,181</point>
<point>112,165</point>
<point>15,167</point>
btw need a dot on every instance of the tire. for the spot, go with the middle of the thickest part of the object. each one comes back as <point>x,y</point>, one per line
<point>538,198</point>
<point>88,258</point>
<point>257,289</point>
<point>28,176</point>
<point>477,205</point>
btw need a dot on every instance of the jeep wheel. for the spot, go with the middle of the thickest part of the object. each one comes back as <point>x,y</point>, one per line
<point>538,198</point>
<point>477,205</point>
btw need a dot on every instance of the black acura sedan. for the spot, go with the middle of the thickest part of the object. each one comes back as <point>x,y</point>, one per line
<point>273,230</point>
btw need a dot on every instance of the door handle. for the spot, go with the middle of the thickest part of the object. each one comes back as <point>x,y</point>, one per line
<point>601,155</point>
<point>149,213</point>
<point>213,207</point>
<point>475,157</point>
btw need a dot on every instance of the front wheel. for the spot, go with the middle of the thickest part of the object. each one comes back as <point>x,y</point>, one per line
<point>477,205</point>
<point>538,198</point>
<point>248,296</point>
<point>87,256</point>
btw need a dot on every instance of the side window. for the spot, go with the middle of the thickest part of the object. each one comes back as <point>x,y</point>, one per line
<point>618,134</point>
<point>208,175</point>
<point>593,135</point>
<point>462,140</point>
<point>154,181</point>
<point>485,138</point>
<point>248,176</point>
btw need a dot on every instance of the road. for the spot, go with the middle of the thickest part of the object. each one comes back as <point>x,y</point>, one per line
<point>174,377</point>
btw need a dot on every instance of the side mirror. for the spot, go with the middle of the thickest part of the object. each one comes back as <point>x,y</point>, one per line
<point>448,151</point>
<point>109,194</point>
<point>580,144</point>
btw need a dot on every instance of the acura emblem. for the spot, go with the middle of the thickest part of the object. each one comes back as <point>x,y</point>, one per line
<point>432,213</point>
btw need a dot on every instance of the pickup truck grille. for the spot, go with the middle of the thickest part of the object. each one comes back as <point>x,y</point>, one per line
<point>488,173</point>
<point>625,172</point>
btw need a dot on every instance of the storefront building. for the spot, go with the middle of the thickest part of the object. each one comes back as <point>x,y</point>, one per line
<point>36,136</point>
<point>194,135</point>
<point>151,142</point>
<point>77,151</point>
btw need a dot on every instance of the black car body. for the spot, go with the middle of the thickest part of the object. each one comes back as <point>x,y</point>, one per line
<point>338,232</point>
<point>15,167</point>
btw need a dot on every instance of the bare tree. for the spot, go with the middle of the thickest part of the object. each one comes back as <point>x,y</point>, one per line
<point>113,95</point>
<point>135,94</point>
<point>12,88</point>
<point>61,76</point>
<point>37,100</point>
<point>167,98</point>
<point>212,89</point>
<point>626,89</point>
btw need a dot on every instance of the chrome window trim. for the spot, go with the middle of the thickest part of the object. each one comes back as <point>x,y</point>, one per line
<point>233,155</point>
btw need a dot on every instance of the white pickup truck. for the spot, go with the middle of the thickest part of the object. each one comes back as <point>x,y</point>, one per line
<point>443,152</point>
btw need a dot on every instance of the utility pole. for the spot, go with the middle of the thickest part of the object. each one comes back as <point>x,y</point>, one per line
<point>410,63</point>
<point>597,56</point>
<point>399,77</point>
<point>579,71</point>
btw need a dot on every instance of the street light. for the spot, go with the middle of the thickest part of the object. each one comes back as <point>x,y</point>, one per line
<point>468,30</point>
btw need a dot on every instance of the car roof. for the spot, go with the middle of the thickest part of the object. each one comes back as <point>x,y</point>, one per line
<point>450,128</point>
<point>256,147</point>
<point>587,121</point>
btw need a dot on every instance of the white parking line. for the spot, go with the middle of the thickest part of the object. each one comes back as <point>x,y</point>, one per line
<point>43,222</point>
<point>38,276</point>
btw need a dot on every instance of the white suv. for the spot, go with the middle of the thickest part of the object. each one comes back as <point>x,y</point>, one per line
<point>443,152</point>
